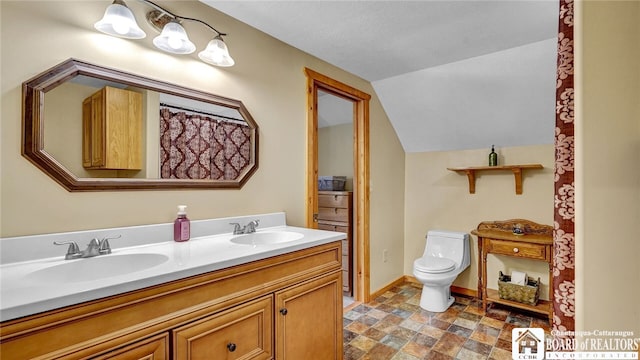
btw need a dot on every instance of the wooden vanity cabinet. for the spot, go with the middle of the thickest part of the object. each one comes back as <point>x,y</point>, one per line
<point>112,130</point>
<point>308,321</point>
<point>335,213</point>
<point>233,313</point>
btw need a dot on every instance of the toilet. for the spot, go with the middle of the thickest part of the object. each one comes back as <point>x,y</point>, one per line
<point>445,256</point>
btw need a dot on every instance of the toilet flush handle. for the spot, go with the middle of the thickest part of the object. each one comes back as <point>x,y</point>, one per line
<point>516,250</point>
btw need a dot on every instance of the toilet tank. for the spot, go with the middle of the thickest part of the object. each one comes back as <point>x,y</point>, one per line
<point>449,244</point>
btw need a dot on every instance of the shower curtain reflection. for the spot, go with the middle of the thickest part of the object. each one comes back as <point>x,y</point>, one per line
<point>197,146</point>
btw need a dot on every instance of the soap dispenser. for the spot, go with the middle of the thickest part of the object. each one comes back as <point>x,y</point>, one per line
<point>182,225</point>
<point>493,157</point>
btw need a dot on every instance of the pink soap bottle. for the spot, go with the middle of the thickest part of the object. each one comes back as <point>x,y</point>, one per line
<point>182,225</point>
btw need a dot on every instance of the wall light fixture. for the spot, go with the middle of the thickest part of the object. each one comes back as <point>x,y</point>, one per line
<point>118,20</point>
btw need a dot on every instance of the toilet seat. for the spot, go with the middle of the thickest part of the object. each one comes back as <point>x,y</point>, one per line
<point>434,265</point>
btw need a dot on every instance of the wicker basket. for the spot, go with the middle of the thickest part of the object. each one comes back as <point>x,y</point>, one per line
<point>526,294</point>
<point>331,183</point>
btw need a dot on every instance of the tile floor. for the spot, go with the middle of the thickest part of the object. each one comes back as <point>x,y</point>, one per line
<point>393,326</point>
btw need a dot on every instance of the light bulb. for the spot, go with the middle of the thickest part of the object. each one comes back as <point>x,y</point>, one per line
<point>120,26</point>
<point>118,20</point>
<point>174,42</point>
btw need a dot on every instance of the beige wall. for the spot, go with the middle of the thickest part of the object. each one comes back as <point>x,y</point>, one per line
<point>335,152</point>
<point>607,165</point>
<point>268,77</point>
<point>436,198</point>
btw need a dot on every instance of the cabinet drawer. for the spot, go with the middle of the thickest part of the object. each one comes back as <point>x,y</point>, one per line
<point>333,214</point>
<point>331,227</point>
<point>345,281</point>
<point>243,332</point>
<point>156,348</point>
<point>346,249</point>
<point>530,251</point>
<point>345,262</point>
<point>339,201</point>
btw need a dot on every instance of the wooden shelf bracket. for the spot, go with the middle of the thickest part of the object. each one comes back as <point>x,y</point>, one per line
<point>515,169</point>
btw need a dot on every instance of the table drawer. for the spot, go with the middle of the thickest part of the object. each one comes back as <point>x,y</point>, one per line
<point>339,201</point>
<point>529,251</point>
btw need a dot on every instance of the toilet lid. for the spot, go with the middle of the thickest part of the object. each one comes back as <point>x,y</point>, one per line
<point>434,265</point>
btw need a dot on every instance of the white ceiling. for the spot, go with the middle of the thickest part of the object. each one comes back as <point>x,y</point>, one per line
<point>450,74</point>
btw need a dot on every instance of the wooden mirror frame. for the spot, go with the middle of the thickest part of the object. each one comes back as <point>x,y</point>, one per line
<point>34,90</point>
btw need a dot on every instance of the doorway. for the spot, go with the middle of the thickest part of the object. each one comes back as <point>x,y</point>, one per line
<point>318,83</point>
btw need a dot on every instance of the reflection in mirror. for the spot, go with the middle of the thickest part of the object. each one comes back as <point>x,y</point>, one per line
<point>201,140</point>
<point>93,128</point>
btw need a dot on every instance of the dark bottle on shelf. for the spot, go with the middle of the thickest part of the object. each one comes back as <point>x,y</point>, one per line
<point>493,157</point>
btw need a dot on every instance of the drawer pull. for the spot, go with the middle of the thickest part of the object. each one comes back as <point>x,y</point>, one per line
<point>335,197</point>
<point>231,347</point>
<point>516,250</point>
<point>335,210</point>
<point>283,311</point>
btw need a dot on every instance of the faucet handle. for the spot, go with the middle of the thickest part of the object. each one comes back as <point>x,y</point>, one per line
<point>252,225</point>
<point>103,245</point>
<point>73,251</point>
<point>236,228</point>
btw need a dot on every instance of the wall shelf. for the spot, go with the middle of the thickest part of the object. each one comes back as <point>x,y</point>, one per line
<point>516,169</point>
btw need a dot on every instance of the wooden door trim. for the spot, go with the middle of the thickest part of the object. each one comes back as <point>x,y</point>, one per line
<point>361,100</point>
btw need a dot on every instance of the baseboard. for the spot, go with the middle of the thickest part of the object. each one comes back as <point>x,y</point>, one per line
<point>399,281</point>
<point>454,289</point>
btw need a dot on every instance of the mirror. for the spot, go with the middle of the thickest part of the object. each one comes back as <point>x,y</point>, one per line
<point>94,128</point>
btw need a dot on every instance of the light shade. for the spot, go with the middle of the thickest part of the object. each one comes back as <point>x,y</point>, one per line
<point>119,21</point>
<point>174,39</point>
<point>216,53</point>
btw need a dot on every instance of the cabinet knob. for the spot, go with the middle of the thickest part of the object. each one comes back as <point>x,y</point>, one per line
<point>231,347</point>
<point>283,311</point>
<point>515,250</point>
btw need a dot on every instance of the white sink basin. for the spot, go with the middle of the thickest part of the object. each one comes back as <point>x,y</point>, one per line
<point>98,267</point>
<point>267,238</point>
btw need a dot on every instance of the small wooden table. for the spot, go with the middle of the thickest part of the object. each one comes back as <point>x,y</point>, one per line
<point>497,237</point>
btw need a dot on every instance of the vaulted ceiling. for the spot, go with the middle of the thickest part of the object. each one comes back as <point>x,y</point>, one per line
<point>451,75</point>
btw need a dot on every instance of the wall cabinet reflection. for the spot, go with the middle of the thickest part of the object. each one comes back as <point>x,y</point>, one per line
<point>112,130</point>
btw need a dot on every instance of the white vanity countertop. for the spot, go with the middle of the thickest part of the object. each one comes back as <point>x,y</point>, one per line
<point>25,292</point>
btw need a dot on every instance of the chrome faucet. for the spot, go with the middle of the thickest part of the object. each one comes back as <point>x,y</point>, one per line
<point>247,229</point>
<point>251,226</point>
<point>94,248</point>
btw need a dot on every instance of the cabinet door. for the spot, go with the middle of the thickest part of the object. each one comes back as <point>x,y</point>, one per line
<point>243,332</point>
<point>156,348</point>
<point>98,114</point>
<point>86,132</point>
<point>309,320</point>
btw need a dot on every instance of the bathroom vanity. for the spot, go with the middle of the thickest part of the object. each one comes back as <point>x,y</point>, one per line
<point>280,301</point>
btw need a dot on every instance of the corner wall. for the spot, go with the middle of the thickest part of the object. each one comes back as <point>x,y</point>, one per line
<point>439,199</point>
<point>607,165</point>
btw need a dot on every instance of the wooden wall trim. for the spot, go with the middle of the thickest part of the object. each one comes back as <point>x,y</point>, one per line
<point>409,279</point>
<point>361,100</point>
